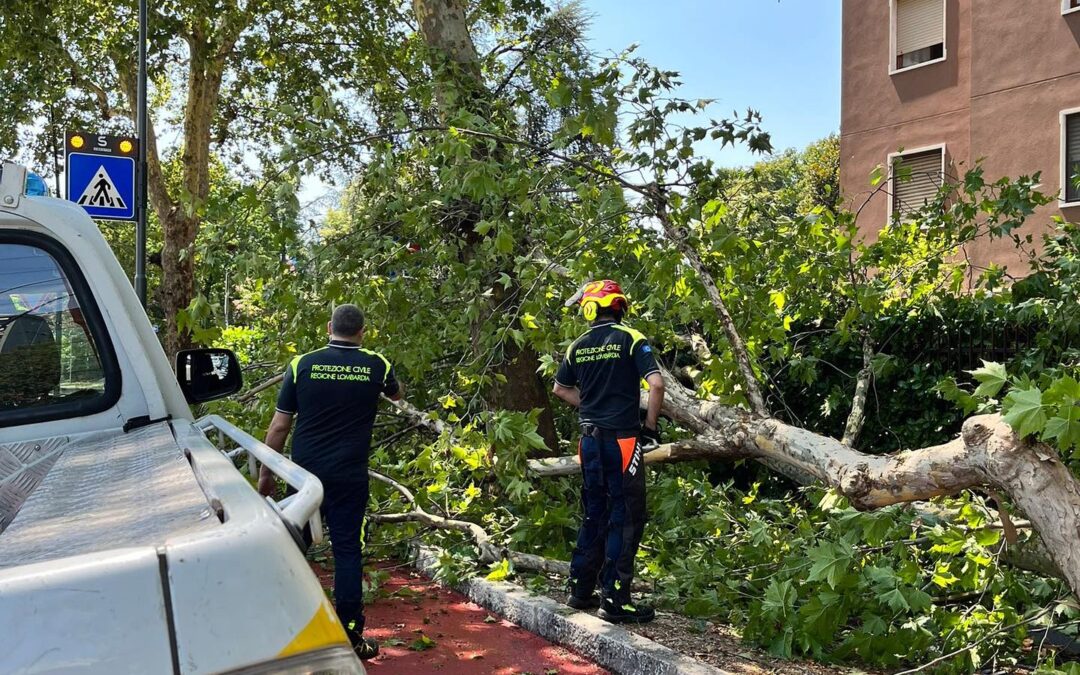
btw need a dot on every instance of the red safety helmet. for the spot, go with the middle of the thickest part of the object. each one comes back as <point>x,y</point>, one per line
<point>597,294</point>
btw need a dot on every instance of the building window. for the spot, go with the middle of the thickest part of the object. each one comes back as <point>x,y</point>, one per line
<point>1069,6</point>
<point>1070,156</point>
<point>918,32</point>
<point>915,179</point>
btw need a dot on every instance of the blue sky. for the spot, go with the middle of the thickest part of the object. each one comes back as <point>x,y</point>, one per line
<point>780,57</point>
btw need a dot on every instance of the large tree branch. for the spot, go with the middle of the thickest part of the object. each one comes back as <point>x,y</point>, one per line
<point>857,417</point>
<point>489,552</point>
<point>987,454</point>
<point>658,198</point>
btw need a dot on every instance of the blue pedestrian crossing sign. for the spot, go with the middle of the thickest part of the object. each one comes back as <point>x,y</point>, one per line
<point>101,175</point>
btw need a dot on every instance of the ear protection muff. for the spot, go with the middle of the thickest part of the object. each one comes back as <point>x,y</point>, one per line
<point>590,309</point>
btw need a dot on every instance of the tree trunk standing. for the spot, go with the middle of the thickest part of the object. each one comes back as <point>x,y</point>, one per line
<point>446,30</point>
<point>210,42</point>
<point>525,390</point>
<point>459,84</point>
<point>177,277</point>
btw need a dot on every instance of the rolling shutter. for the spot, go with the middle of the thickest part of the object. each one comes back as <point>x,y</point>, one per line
<point>918,178</point>
<point>1072,157</point>
<point>919,24</point>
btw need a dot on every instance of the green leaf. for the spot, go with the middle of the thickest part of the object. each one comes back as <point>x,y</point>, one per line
<point>422,643</point>
<point>504,241</point>
<point>991,378</point>
<point>1025,411</point>
<point>987,537</point>
<point>877,175</point>
<point>780,598</point>
<point>1064,428</point>
<point>895,600</point>
<point>944,579</point>
<point>830,562</point>
<point>778,300</point>
<point>781,646</point>
<point>917,600</point>
<point>499,571</point>
<point>1064,391</point>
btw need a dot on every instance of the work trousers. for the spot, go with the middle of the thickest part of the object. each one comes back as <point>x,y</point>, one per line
<point>344,508</point>
<point>613,499</point>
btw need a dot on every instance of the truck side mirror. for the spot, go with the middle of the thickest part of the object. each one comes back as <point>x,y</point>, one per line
<point>208,374</point>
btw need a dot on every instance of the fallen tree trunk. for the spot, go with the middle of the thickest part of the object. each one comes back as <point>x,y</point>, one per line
<point>988,453</point>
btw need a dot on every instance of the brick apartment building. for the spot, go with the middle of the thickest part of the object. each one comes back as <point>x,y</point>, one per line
<point>938,84</point>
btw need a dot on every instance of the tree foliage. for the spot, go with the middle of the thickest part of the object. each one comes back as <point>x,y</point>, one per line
<point>487,181</point>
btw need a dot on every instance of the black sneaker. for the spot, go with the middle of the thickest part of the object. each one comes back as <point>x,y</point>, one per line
<point>626,612</point>
<point>588,602</point>
<point>365,648</point>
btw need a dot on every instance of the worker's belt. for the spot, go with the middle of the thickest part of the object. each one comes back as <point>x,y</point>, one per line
<point>612,434</point>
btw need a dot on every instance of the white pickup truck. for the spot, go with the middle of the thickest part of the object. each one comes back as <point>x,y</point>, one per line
<point>129,541</point>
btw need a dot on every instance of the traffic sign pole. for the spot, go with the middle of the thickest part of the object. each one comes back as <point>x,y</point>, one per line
<point>140,182</point>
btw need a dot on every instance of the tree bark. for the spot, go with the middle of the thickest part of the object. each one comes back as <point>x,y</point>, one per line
<point>857,417</point>
<point>751,387</point>
<point>210,41</point>
<point>988,453</point>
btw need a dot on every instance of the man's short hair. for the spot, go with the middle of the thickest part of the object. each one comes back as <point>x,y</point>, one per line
<point>609,313</point>
<point>347,320</point>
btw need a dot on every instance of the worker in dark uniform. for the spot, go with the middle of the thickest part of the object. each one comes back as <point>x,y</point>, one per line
<point>601,375</point>
<point>333,393</point>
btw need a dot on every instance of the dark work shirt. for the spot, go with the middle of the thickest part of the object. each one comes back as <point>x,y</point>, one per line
<point>607,364</point>
<point>334,393</point>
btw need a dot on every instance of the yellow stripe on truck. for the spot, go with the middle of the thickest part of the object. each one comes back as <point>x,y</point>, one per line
<point>324,630</point>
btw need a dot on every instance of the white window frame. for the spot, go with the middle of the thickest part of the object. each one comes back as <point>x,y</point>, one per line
<point>1062,202</point>
<point>893,70</point>
<point>893,156</point>
<point>1065,9</point>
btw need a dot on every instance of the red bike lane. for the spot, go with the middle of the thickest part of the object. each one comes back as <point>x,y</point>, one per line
<point>424,628</point>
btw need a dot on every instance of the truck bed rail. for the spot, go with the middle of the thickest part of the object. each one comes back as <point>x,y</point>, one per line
<point>298,509</point>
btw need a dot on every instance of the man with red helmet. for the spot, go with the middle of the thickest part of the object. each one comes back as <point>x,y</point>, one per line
<point>601,376</point>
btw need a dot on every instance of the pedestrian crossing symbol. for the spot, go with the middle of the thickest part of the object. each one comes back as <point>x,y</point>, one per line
<point>102,192</point>
<point>101,184</point>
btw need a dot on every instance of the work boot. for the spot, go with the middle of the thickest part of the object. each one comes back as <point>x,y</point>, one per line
<point>591,601</point>
<point>364,648</point>
<point>626,611</point>
<point>581,596</point>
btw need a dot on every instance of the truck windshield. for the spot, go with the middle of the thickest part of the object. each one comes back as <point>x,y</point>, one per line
<point>47,353</point>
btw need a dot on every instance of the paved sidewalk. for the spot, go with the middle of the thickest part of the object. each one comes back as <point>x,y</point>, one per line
<point>423,628</point>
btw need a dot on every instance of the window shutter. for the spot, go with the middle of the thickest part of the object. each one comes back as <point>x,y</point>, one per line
<point>919,24</point>
<point>918,178</point>
<point>1072,156</point>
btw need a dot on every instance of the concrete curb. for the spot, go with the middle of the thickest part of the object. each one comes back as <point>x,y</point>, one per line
<point>609,645</point>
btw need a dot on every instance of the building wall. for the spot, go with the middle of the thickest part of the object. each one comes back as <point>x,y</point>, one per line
<point>1017,132</point>
<point>1010,68</point>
